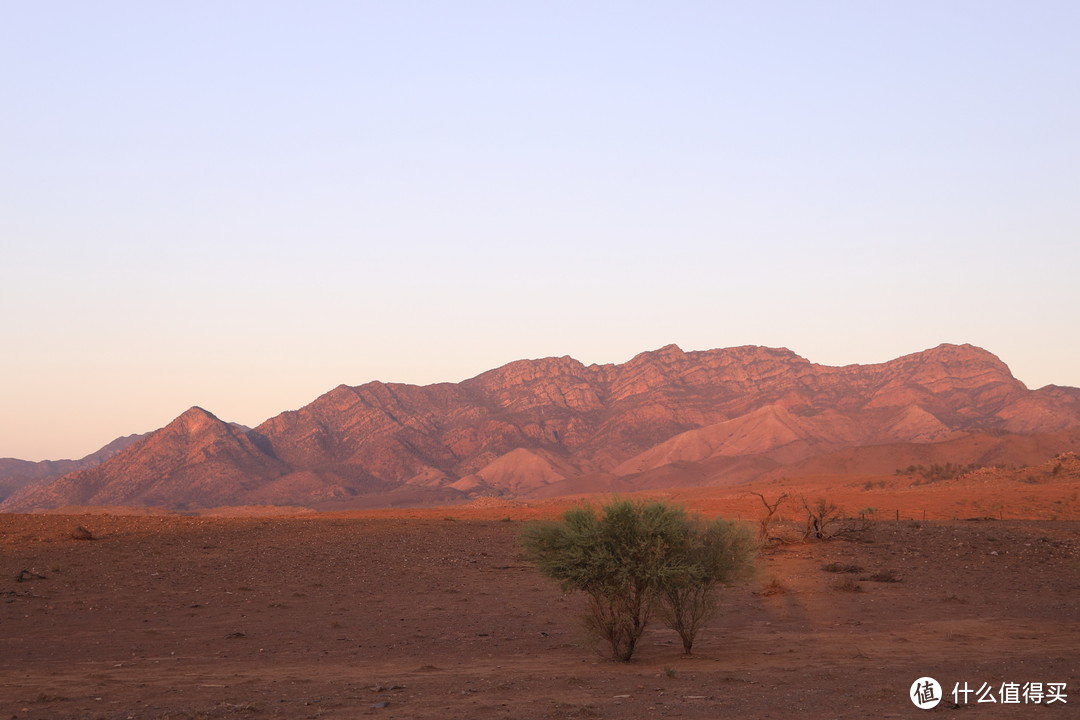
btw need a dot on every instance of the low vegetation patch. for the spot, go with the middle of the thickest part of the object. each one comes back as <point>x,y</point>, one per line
<point>885,576</point>
<point>835,567</point>
<point>847,584</point>
<point>632,559</point>
<point>926,474</point>
<point>773,587</point>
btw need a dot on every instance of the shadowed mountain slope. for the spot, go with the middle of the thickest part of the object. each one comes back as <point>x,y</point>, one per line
<point>17,474</point>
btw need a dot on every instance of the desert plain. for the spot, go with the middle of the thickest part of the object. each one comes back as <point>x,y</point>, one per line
<point>433,613</point>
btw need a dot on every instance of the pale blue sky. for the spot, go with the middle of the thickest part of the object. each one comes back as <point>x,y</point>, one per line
<point>241,205</point>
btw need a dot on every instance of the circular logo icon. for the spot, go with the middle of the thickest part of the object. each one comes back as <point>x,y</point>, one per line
<point>925,693</point>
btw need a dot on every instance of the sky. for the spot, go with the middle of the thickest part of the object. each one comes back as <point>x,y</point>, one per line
<point>241,205</point>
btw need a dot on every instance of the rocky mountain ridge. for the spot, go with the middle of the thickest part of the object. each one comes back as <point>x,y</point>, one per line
<point>16,474</point>
<point>533,427</point>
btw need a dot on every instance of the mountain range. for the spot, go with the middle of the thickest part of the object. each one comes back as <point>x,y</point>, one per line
<point>553,426</point>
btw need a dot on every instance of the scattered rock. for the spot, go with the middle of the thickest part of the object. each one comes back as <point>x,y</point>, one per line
<point>25,575</point>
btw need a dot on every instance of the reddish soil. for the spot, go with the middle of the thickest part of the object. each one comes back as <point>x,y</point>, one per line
<point>433,614</point>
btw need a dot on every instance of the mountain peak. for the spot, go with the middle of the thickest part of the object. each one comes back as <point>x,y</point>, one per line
<point>524,371</point>
<point>195,419</point>
<point>960,361</point>
<point>197,413</point>
<point>962,350</point>
<point>667,353</point>
<point>947,351</point>
<point>197,460</point>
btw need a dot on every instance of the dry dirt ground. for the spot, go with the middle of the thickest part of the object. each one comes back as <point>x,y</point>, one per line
<point>435,615</point>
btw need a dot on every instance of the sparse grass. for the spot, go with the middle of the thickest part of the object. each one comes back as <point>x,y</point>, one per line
<point>773,587</point>
<point>46,698</point>
<point>886,576</point>
<point>835,567</point>
<point>847,584</point>
<point>936,473</point>
<point>239,708</point>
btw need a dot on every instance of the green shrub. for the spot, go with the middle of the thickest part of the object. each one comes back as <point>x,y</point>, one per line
<point>714,554</point>
<point>631,557</point>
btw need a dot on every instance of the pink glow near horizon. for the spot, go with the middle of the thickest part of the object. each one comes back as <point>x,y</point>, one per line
<point>238,209</point>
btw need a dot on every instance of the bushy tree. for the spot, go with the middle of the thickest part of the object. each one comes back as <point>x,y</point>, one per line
<point>712,555</point>
<point>630,557</point>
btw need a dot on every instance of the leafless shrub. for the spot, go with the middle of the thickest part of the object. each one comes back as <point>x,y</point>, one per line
<point>770,511</point>
<point>821,517</point>
<point>849,528</point>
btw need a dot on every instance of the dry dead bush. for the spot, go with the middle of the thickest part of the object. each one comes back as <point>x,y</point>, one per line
<point>821,516</point>
<point>770,511</point>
